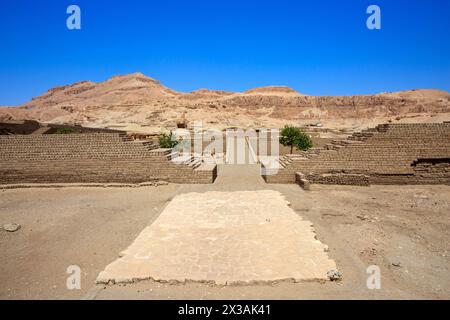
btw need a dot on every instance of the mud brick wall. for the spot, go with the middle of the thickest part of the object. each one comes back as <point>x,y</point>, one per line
<point>339,178</point>
<point>434,170</point>
<point>93,157</point>
<point>301,180</point>
<point>386,154</point>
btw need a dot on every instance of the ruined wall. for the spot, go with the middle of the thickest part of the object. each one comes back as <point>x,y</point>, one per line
<point>96,157</point>
<point>435,170</point>
<point>338,178</point>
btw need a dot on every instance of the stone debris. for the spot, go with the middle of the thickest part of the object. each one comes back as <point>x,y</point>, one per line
<point>334,275</point>
<point>11,227</point>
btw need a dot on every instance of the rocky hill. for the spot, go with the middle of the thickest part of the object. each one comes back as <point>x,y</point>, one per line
<point>136,102</point>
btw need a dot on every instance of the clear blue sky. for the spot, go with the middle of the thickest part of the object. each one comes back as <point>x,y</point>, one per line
<point>316,47</point>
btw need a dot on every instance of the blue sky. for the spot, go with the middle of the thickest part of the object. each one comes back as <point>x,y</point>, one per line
<point>316,47</point>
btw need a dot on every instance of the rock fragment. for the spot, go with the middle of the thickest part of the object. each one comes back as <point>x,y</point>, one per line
<point>334,275</point>
<point>11,227</point>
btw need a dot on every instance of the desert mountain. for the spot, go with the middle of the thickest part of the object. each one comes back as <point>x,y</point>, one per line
<point>136,102</point>
<point>419,94</point>
<point>281,91</point>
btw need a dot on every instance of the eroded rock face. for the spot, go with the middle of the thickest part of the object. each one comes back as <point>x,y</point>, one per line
<point>135,101</point>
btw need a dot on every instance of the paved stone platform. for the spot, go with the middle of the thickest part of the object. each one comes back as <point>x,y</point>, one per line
<point>225,238</point>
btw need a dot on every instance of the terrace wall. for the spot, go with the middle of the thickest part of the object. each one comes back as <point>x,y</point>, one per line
<point>387,154</point>
<point>94,157</point>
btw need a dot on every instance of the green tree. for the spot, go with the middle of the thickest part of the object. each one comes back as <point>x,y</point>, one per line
<point>166,140</point>
<point>64,131</point>
<point>295,137</point>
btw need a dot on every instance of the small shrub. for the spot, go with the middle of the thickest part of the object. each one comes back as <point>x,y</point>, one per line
<point>64,131</point>
<point>295,137</point>
<point>166,140</point>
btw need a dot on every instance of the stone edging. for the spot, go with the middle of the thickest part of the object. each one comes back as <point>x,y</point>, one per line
<point>84,185</point>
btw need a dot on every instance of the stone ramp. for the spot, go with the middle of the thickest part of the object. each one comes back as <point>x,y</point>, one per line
<point>239,174</point>
<point>224,238</point>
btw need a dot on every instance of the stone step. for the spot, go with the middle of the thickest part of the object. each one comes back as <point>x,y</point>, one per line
<point>195,163</point>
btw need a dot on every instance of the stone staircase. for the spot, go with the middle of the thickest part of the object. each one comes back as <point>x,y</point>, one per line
<point>181,159</point>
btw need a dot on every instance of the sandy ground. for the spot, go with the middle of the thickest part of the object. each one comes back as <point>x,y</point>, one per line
<point>405,230</point>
